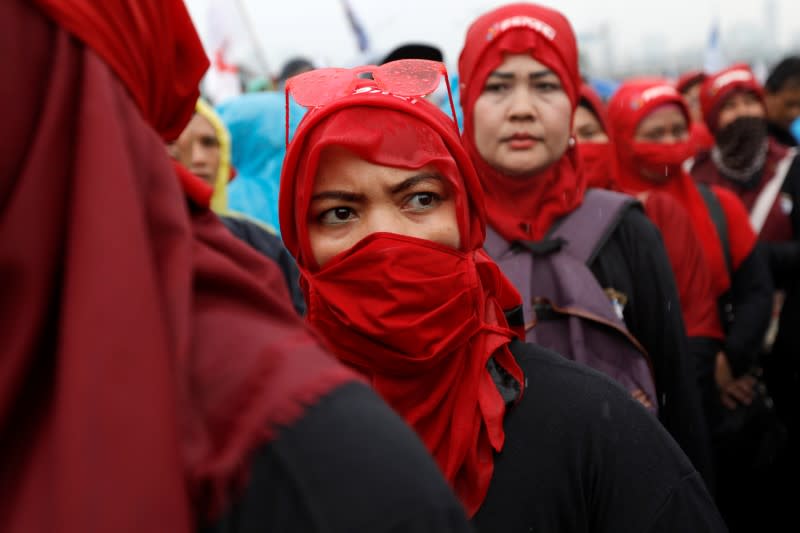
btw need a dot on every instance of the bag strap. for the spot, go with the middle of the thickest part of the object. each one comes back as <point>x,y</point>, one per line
<point>766,198</point>
<point>720,222</point>
<point>586,230</point>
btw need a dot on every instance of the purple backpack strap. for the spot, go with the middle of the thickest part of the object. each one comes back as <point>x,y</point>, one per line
<point>587,228</point>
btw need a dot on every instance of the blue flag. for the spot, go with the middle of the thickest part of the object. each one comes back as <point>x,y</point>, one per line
<point>356,27</point>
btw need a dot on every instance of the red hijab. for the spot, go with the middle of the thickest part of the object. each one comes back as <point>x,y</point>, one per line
<point>146,352</point>
<point>419,319</point>
<point>632,102</point>
<point>522,208</point>
<point>598,159</point>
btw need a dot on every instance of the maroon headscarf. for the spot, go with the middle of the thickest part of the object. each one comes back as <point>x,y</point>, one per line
<point>522,208</point>
<point>146,353</point>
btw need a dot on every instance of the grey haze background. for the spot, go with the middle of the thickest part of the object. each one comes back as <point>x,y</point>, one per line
<point>617,37</point>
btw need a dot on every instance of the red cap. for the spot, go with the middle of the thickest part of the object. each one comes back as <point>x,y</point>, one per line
<point>717,87</point>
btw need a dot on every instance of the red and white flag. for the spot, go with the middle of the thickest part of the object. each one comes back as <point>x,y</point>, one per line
<point>225,45</point>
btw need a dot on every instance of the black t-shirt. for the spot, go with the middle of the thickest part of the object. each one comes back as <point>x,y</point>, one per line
<point>349,465</point>
<point>580,455</point>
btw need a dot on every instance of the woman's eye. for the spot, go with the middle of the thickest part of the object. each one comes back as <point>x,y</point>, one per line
<point>495,87</point>
<point>422,200</point>
<point>547,86</point>
<point>337,215</point>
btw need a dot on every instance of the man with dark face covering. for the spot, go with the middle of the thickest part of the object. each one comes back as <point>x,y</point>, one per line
<point>766,176</point>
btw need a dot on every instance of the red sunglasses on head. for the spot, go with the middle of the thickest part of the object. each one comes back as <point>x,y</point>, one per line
<point>409,78</point>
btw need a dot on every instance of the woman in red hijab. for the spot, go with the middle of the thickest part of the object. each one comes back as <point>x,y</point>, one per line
<point>153,375</point>
<point>383,211</point>
<point>519,90</point>
<point>649,121</point>
<point>692,274</point>
<point>688,84</point>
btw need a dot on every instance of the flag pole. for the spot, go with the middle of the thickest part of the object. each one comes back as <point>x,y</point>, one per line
<point>260,57</point>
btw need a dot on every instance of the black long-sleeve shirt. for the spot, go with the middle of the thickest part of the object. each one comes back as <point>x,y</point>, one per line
<point>349,465</point>
<point>581,455</point>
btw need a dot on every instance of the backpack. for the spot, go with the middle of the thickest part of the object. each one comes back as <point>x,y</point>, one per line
<point>571,313</point>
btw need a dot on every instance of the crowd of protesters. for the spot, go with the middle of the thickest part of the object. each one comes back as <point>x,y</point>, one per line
<point>373,300</point>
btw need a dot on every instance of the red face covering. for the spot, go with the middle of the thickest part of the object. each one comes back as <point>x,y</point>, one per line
<point>522,208</point>
<point>146,354</point>
<point>660,162</point>
<point>419,319</point>
<point>597,159</point>
<point>631,103</point>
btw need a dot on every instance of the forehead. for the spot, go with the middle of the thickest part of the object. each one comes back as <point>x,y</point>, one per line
<point>340,167</point>
<point>584,115</point>
<point>663,114</point>
<point>741,94</point>
<point>520,63</point>
<point>200,125</point>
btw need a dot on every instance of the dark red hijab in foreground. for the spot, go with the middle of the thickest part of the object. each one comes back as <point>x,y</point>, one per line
<point>419,319</point>
<point>631,103</point>
<point>146,354</point>
<point>522,208</point>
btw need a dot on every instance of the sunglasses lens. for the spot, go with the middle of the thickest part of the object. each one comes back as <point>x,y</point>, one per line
<point>318,87</point>
<point>410,77</point>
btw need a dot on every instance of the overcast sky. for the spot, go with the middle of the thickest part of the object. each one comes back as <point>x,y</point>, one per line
<point>638,28</point>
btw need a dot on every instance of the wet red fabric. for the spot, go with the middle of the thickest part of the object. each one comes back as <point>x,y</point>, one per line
<point>688,262</point>
<point>632,102</point>
<point>597,159</point>
<point>146,353</point>
<point>419,319</point>
<point>522,208</point>
<point>150,47</point>
<point>717,87</point>
<point>195,187</point>
<point>700,138</point>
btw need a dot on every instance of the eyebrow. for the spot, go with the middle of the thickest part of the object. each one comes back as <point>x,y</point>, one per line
<point>414,180</point>
<point>353,197</point>
<point>344,196</point>
<point>532,76</point>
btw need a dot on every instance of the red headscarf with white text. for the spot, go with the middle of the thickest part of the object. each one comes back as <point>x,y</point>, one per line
<point>522,208</point>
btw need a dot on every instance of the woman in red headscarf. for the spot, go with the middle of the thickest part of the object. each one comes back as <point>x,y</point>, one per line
<point>153,375</point>
<point>692,274</point>
<point>649,121</point>
<point>688,84</point>
<point>383,211</point>
<point>519,90</point>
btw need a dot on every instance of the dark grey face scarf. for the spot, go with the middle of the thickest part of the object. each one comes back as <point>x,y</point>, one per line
<point>741,148</point>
